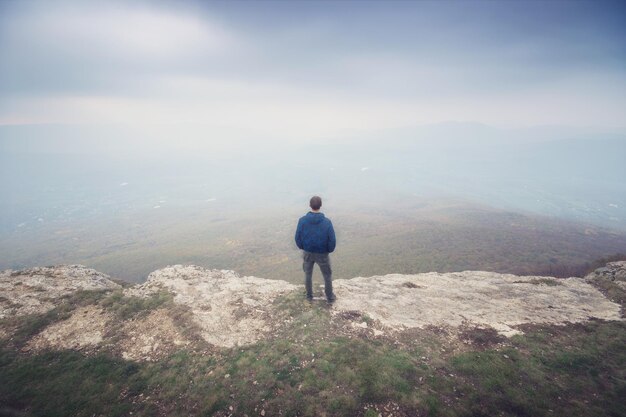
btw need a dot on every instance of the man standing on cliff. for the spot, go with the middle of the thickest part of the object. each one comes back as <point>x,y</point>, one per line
<point>316,237</point>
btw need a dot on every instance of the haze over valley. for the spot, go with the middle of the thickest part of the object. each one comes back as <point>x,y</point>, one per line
<point>441,136</point>
<point>444,197</point>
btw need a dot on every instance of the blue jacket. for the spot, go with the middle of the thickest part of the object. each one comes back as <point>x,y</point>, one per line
<point>315,233</point>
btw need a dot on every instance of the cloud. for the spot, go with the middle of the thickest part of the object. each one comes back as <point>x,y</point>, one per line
<point>90,46</point>
<point>304,72</point>
<point>291,113</point>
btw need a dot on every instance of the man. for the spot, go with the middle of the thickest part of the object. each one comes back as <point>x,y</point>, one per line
<point>316,237</point>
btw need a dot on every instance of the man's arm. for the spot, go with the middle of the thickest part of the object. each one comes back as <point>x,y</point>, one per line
<point>299,234</point>
<point>332,241</point>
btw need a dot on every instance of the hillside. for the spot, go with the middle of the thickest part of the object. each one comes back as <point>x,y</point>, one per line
<point>194,341</point>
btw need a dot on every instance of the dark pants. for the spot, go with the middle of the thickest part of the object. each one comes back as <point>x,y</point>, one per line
<point>323,261</point>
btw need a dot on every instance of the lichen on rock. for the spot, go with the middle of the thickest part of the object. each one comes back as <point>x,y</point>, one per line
<point>35,290</point>
<point>229,309</point>
<point>500,301</point>
<point>82,330</point>
<point>224,309</point>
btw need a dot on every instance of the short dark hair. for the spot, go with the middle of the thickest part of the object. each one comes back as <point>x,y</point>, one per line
<point>316,202</point>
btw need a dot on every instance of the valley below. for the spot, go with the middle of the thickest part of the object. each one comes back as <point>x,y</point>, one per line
<point>405,236</point>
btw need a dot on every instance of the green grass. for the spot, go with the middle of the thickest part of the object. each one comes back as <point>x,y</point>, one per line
<point>64,383</point>
<point>574,371</point>
<point>611,290</point>
<point>126,307</point>
<point>314,366</point>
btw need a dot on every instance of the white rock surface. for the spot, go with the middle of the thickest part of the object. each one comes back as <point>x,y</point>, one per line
<point>501,301</point>
<point>231,310</point>
<point>152,337</point>
<point>34,290</point>
<point>83,329</point>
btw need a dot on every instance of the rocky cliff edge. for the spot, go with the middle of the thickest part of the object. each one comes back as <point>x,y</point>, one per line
<point>188,306</point>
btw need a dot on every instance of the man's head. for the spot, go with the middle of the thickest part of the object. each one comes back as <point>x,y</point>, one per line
<point>315,203</point>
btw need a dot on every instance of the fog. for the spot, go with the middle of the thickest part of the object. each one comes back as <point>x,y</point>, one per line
<point>56,174</point>
<point>137,134</point>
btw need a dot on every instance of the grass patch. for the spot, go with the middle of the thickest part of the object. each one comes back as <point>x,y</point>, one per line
<point>64,384</point>
<point>544,281</point>
<point>540,281</point>
<point>611,290</point>
<point>574,371</point>
<point>332,376</point>
<point>28,325</point>
<point>126,307</point>
<point>312,367</point>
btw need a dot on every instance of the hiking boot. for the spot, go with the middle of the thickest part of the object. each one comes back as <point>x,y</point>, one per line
<point>331,299</point>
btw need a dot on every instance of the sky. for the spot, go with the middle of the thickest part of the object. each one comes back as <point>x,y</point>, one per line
<point>306,70</point>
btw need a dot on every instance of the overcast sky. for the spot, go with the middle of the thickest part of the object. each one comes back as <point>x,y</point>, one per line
<point>309,69</point>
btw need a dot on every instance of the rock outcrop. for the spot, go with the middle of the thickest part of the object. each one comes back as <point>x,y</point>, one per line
<point>475,298</point>
<point>35,290</point>
<point>613,271</point>
<point>230,310</point>
<point>84,329</point>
